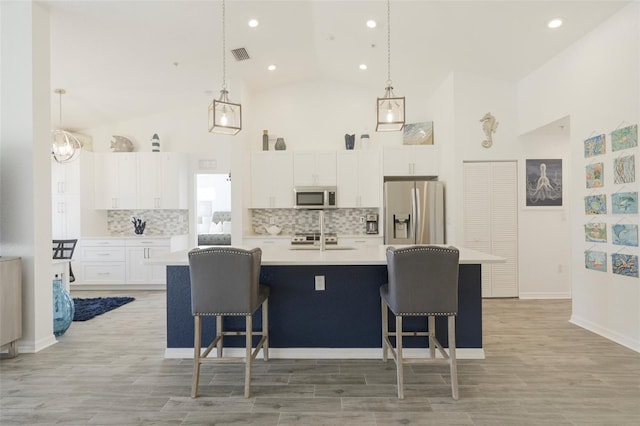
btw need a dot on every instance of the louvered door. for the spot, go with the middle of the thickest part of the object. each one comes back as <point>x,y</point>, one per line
<point>491,222</point>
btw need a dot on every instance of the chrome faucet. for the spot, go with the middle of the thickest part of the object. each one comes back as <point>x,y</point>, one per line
<point>322,242</point>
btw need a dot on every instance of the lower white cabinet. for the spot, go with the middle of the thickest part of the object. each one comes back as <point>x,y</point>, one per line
<point>361,241</point>
<point>266,241</point>
<point>137,252</point>
<point>121,262</point>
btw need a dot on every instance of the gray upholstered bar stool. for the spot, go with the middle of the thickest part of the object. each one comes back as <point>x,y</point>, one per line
<point>423,281</point>
<point>225,282</point>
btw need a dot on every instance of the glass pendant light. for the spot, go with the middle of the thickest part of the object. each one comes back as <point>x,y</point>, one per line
<point>225,117</point>
<point>390,108</point>
<point>65,147</point>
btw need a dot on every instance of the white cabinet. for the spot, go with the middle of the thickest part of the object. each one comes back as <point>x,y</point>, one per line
<point>102,261</point>
<point>412,160</point>
<point>117,262</point>
<point>361,241</point>
<point>266,241</point>
<point>162,180</point>
<point>137,252</point>
<point>140,180</point>
<point>65,199</point>
<point>359,179</point>
<point>271,180</point>
<point>116,181</point>
<point>314,168</point>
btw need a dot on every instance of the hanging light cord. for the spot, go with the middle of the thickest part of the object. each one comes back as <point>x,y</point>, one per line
<point>224,49</point>
<point>389,42</point>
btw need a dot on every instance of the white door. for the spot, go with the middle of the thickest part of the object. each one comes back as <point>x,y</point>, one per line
<point>491,222</point>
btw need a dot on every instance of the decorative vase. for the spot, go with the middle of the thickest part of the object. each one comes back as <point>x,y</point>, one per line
<point>364,141</point>
<point>280,145</point>
<point>349,141</point>
<point>138,226</point>
<point>265,140</point>
<point>63,308</point>
<point>155,143</point>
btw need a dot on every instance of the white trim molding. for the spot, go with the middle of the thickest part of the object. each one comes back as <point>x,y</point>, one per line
<point>632,344</point>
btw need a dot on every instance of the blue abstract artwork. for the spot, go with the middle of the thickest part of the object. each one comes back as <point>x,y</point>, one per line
<point>625,235</point>
<point>624,138</point>
<point>595,146</point>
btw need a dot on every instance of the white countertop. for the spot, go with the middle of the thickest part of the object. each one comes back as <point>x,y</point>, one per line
<point>367,255</point>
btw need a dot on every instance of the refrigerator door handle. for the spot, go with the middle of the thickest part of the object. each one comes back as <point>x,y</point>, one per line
<point>415,210</point>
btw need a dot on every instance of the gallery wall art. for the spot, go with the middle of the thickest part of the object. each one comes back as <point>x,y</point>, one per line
<point>596,260</point>
<point>624,264</point>
<point>611,193</point>
<point>543,182</point>
<point>594,175</point>
<point>624,138</point>
<point>595,145</point>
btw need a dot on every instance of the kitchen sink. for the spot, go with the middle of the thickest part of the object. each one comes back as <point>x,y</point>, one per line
<point>318,248</point>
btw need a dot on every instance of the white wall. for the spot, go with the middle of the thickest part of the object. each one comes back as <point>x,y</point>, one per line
<point>25,211</point>
<point>596,83</point>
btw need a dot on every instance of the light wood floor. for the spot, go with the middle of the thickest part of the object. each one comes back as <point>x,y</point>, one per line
<point>539,370</point>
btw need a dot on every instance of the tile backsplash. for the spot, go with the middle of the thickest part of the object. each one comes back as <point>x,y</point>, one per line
<point>159,222</point>
<point>340,221</point>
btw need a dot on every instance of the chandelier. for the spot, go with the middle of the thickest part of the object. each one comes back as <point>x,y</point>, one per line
<point>65,146</point>
<point>225,117</point>
<point>390,108</point>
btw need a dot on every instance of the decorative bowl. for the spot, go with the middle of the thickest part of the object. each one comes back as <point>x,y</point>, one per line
<point>273,229</point>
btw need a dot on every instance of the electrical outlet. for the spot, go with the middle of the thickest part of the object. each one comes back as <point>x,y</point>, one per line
<point>272,220</point>
<point>319,282</point>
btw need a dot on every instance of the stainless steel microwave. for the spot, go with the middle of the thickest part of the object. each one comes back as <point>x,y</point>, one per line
<point>315,197</point>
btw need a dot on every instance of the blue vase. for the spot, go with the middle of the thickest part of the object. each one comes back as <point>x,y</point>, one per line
<point>63,308</point>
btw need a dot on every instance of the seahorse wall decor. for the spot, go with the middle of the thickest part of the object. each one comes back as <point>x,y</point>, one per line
<point>489,127</point>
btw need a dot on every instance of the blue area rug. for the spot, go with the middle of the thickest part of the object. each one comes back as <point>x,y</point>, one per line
<point>89,308</point>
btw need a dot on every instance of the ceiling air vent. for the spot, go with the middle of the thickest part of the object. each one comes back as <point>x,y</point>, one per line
<point>240,54</point>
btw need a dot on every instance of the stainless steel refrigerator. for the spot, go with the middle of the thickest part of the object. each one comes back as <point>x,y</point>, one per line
<point>413,212</point>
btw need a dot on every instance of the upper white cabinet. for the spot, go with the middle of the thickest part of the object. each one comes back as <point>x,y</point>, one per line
<point>314,168</point>
<point>140,180</point>
<point>162,180</point>
<point>271,180</point>
<point>116,181</point>
<point>411,160</point>
<point>359,178</point>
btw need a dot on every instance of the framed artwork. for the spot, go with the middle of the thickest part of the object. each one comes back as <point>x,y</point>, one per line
<point>624,203</point>
<point>594,175</point>
<point>543,182</point>
<point>595,204</point>
<point>624,138</point>
<point>625,235</point>
<point>624,264</point>
<point>595,146</point>
<point>596,260</point>
<point>624,169</point>
<point>595,232</point>
<point>418,133</point>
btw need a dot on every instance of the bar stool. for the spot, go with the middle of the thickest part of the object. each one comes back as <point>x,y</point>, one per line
<point>423,281</point>
<point>225,282</point>
<point>63,249</point>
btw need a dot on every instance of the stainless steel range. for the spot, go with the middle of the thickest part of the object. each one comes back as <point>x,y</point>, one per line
<point>311,238</point>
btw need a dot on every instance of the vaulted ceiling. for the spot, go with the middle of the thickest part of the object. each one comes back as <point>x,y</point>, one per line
<point>119,59</point>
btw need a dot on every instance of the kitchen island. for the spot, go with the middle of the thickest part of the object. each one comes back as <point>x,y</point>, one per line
<point>341,321</point>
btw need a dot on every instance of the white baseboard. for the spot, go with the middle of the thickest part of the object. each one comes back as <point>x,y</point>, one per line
<point>630,343</point>
<point>542,295</point>
<point>329,353</point>
<point>31,347</point>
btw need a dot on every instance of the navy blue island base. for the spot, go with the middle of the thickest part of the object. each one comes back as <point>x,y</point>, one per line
<point>345,315</point>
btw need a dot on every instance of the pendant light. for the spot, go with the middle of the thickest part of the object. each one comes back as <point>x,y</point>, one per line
<point>390,109</point>
<point>225,117</point>
<point>65,147</point>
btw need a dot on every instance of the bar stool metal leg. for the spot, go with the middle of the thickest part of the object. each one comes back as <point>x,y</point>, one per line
<point>265,330</point>
<point>385,330</point>
<point>248,357</point>
<point>219,333</point>
<point>196,355</point>
<point>452,356</point>
<point>431,323</point>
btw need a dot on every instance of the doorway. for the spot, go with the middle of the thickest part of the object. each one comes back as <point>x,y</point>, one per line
<point>213,208</point>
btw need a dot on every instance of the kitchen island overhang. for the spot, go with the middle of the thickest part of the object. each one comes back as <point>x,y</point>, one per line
<point>343,321</point>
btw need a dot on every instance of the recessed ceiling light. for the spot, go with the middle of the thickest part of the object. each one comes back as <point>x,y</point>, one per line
<point>555,23</point>
<point>371,23</point>
<point>363,66</point>
<point>253,23</point>
<point>271,67</point>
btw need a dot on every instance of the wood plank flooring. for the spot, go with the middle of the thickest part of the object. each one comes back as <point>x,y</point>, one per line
<point>539,370</point>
